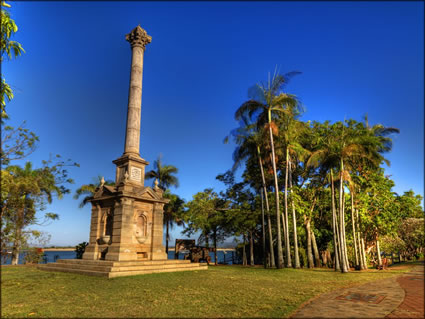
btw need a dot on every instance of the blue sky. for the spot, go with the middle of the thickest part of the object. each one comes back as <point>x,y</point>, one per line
<point>71,86</point>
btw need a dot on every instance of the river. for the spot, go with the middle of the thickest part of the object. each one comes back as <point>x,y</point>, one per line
<point>52,256</point>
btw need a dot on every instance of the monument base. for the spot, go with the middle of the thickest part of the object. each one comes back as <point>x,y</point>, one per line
<point>112,269</point>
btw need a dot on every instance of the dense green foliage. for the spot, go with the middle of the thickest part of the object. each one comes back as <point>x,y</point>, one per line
<point>8,49</point>
<point>325,182</point>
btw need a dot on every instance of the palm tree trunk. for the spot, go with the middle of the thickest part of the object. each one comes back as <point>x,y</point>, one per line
<point>359,244</point>
<point>308,233</point>
<point>354,228</point>
<point>334,225</point>
<point>345,232</point>
<point>286,232</point>
<point>364,253</point>
<point>363,264</point>
<point>269,223</point>
<point>251,249</point>
<point>315,250</point>
<point>294,222</point>
<point>378,251</point>
<point>166,238</point>
<point>215,245</point>
<point>244,262</point>
<point>344,267</point>
<point>263,230</point>
<point>276,188</point>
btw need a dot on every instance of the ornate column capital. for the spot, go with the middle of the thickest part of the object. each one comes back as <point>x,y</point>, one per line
<point>138,37</point>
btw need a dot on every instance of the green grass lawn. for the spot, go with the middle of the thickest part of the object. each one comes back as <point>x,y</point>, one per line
<point>221,291</point>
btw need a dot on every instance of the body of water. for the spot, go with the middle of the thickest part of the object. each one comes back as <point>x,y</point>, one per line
<point>227,257</point>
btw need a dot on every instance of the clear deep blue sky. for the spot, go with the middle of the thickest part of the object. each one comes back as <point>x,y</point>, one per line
<point>71,86</point>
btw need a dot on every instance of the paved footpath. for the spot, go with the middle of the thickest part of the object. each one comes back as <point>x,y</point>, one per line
<point>396,297</point>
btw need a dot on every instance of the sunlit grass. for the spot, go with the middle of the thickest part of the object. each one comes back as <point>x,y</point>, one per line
<point>222,291</point>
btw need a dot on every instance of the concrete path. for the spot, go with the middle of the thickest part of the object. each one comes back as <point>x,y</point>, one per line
<point>397,297</point>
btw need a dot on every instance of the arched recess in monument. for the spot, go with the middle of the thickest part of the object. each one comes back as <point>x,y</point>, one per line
<point>141,226</point>
<point>107,223</point>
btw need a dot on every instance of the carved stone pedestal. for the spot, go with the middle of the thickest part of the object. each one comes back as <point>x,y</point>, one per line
<point>126,224</point>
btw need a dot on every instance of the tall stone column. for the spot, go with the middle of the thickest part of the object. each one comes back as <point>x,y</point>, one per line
<point>138,39</point>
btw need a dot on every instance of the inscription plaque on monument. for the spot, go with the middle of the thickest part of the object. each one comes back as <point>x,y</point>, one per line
<point>136,174</point>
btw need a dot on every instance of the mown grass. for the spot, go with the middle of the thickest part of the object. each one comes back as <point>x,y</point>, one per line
<point>222,291</point>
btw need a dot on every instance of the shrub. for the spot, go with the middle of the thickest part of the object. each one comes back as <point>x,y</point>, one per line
<point>80,249</point>
<point>33,256</point>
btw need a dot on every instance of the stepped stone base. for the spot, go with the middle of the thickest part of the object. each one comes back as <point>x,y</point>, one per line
<point>112,269</point>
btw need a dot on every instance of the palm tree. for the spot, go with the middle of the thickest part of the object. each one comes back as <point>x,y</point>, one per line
<point>172,210</point>
<point>163,173</point>
<point>265,101</point>
<point>336,143</point>
<point>249,141</point>
<point>172,213</point>
<point>88,190</point>
<point>291,133</point>
<point>342,146</point>
<point>381,132</point>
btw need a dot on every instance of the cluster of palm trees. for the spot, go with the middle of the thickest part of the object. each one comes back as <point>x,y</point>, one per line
<point>306,158</point>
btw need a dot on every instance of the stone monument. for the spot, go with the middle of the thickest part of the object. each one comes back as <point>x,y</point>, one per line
<point>126,222</point>
<point>126,231</point>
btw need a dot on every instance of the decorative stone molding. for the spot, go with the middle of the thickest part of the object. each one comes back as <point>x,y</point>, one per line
<point>138,38</point>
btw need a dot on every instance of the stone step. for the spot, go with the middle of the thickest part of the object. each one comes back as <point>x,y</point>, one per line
<point>76,271</point>
<point>107,268</point>
<point>149,267</point>
<point>123,263</point>
<point>78,266</point>
<point>140,271</point>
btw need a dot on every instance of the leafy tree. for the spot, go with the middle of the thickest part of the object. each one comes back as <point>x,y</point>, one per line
<point>16,143</point>
<point>9,49</point>
<point>24,191</point>
<point>410,205</point>
<point>411,232</point>
<point>242,211</point>
<point>205,214</point>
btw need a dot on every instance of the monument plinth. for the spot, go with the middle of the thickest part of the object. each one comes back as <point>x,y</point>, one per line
<point>126,231</point>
